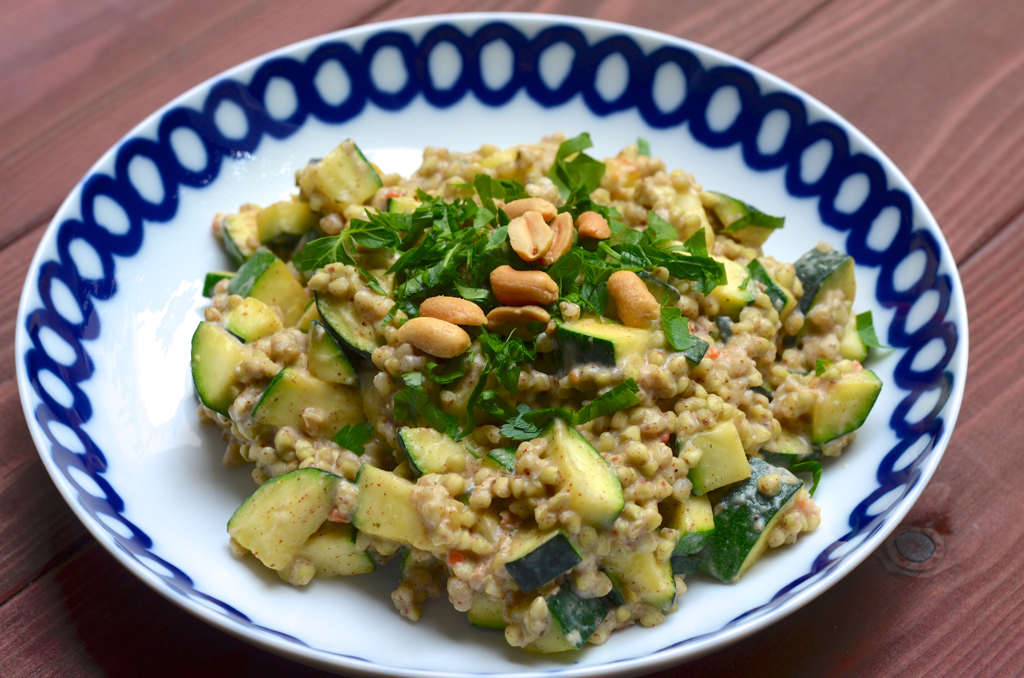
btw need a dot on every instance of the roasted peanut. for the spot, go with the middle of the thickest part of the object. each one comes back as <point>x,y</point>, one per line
<point>454,310</point>
<point>516,316</point>
<point>518,208</point>
<point>521,288</point>
<point>563,235</point>
<point>437,337</point>
<point>529,236</point>
<point>593,225</point>
<point>636,305</point>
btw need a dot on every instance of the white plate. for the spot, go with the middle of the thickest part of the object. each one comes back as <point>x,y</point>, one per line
<point>114,294</point>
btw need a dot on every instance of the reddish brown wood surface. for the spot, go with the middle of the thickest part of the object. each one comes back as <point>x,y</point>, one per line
<point>939,86</point>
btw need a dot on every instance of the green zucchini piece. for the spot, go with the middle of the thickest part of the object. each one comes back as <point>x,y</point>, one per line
<point>486,612</point>
<point>851,346</point>
<point>384,509</point>
<point>662,291</point>
<point>844,404</point>
<point>745,223</point>
<point>503,458</point>
<point>737,292</point>
<point>744,519</point>
<point>215,354</point>
<point>252,320</point>
<point>685,204</point>
<point>722,460</point>
<point>642,573</point>
<point>240,233</point>
<point>212,278</point>
<point>308,316</point>
<point>787,449</point>
<point>617,596</point>
<point>327,361</point>
<point>344,177</point>
<point>277,519</point>
<point>820,272</point>
<point>724,324</point>
<point>683,563</point>
<point>693,520</point>
<point>330,552</point>
<point>538,558</point>
<point>403,205</point>
<point>782,300</point>
<point>593,487</point>
<point>573,621</point>
<point>429,450</point>
<point>267,278</point>
<point>292,390</point>
<point>591,340</point>
<point>285,221</point>
<point>349,327</point>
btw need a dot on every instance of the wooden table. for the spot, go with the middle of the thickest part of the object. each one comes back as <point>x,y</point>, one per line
<point>937,84</point>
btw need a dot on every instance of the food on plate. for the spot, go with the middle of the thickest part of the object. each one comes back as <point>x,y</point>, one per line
<point>551,387</point>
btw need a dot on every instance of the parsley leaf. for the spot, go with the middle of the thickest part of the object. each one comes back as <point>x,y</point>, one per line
<point>505,457</point>
<point>447,373</point>
<point>576,179</point>
<point>321,252</point>
<point>810,466</point>
<point>820,365</point>
<point>659,230</point>
<point>504,356</point>
<point>354,438</point>
<point>412,402</point>
<point>622,397</point>
<point>528,424</point>
<point>643,147</point>
<point>677,332</point>
<point>866,331</point>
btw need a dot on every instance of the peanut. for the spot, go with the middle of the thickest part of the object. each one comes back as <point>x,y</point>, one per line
<point>522,288</point>
<point>454,310</point>
<point>636,305</point>
<point>593,225</point>
<point>437,337</point>
<point>518,208</point>
<point>516,316</point>
<point>563,235</point>
<point>529,236</point>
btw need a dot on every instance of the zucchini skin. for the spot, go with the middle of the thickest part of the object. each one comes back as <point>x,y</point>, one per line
<point>743,524</point>
<point>816,271</point>
<point>545,563</point>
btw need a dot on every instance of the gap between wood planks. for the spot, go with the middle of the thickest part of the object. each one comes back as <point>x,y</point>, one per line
<point>30,228</point>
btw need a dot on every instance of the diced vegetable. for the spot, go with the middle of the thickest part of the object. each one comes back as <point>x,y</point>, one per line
<point>642,573</point>
<point>573,621</point>
<point>737,292</point>
<point>327,361</point>
<point>285,221</point>
<point>293,397</point>
<point>590,482</point>
<point>486,612</point>
<point>536,558</point>
<point>267,278</point>
<point>212,278</point>
<point>820,272</point>
<point>345,177</point>
<point>384,509</point>
<point>348,325</point>
<point>252,320</point>
<point>240,234</point>
<point>429,451</point>
<point>722,460</point>
<point>844,404</point>
<point>215,354</point>
<point>589,340</point>
<point>693,520</point>
<point>787,449</point>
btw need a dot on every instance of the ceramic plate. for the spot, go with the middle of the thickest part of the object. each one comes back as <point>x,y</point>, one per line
<point>114,294</point>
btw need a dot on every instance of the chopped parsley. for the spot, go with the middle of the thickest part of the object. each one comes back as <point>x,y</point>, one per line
<point>866,331</point>
<point>354,438</point>
<point>677,333</point>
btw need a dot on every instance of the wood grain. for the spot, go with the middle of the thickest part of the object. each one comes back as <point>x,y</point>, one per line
<point>955,68</point>
<point>939,85</point>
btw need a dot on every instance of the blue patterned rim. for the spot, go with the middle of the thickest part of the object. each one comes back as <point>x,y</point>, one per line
<point>701,85</point>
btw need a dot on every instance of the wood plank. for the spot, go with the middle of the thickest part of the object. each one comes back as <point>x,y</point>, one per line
<point>74,103</point>
<point>939,86</point>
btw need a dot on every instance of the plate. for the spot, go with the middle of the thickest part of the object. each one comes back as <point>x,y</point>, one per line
<point>114,294</point>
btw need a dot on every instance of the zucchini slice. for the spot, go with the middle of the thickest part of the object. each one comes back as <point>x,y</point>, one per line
<point>403,205</point>
<point>782,299</point>
<point>662,291</point>
<point>844,404</point>
<point>240,233</point>
<point>486,612</point>
<point>745,223</point>
<point>593,487</point>
<point>384,509</point>
<point>502,458</point>
<point>429,450</point>
<point>688,203</point>
<point>591,340</point>
<point>693,519</point>
<point>292,391</point>
<point>285,222</point>
<point>215,354</point>
<point>651,580</point>
<point>722,460</point>
<point>212,278</point>
<point>252,320</point>
<point>744,519</point>
<point>330,552</point>
<point>347,324</point>
<point>344,177</point>
<point>573,621</point>
<point>327,361</point>
<point>820,272</point>
<point>267,278</point>
<point>538,558</point>
<point>737,292</point>
<point>787,449</point>
<point>277,519</point>
<point>851,346</point>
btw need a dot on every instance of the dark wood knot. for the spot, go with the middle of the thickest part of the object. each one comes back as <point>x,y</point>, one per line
<point>914,550</point>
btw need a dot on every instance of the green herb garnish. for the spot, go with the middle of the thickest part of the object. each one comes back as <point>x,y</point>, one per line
<point>677,332</point>
<point>810,466</point>
<point>866,331</point>
<point>354,438</point>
